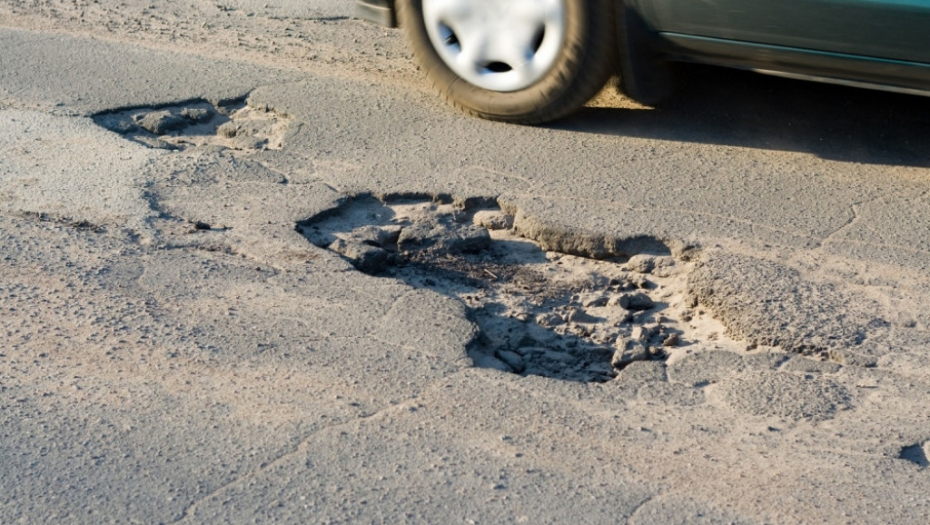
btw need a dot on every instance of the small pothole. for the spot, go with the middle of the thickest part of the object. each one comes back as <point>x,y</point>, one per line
<point>918,454</point>
<point>539,313</point>
<point>234,125</point>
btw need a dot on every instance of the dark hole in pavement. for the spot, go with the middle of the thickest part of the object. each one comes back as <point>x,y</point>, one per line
<point>917,454</point>
<point>233,125</point>
<point>541,313</point>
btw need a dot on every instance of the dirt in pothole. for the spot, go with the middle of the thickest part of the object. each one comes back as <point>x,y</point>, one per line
<point>235,126</point>
<point>539,312</point>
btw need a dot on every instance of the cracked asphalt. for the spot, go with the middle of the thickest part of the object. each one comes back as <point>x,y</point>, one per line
<point>175,351</point>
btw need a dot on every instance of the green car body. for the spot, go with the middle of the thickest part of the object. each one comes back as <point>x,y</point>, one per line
<point>886,29</point>
<point>882,44</point>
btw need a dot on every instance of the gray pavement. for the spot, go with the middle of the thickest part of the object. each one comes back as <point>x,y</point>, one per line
<point>175,351</point>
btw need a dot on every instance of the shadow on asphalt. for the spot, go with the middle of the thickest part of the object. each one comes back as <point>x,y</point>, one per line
<point>738,108</point>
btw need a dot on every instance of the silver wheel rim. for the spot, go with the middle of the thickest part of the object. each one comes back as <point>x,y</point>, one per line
<point>498,45</point>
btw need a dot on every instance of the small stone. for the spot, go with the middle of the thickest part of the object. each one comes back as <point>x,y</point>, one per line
<point>198,115</point>
<point>628,351</point>
<point>581,330</point>
<point>200,225</point>
<point>161,122</point>
<point>468,239</point>
<point>656,333</point>
<point>549,320</point>
<point>228,130</point>
<point>493,220</point>
<point>639,333</point>
<point>578,315</point>
<point>640,281</point>
<point>366,258</point>
<point>595,301</point>
<point>418,236</point>
<point>672,340</point>
<point>597,282</point>
<point>602,337</point>
<point>641,263</point>
<point>636,301</point>
<point>665,267</point>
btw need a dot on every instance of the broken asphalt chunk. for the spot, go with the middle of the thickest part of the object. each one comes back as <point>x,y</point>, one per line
<point>161,122</point>
<point>366,258</point>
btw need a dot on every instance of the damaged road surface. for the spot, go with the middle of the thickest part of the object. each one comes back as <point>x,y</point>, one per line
<point>251,271</point>
<point>540,313</point>
<point>230,124</point>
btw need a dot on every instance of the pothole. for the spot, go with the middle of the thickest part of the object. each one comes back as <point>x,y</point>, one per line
<point>234,125</point>
<point>919,454</point>
<point>539,312</point>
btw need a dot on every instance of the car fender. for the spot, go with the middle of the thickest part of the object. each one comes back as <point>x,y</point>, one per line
<point>645,75</point>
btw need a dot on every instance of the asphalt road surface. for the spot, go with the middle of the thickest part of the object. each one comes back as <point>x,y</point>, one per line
<point>252,270</point>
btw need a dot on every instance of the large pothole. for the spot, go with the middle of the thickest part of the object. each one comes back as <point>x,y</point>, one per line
<point>234,125</point>
<point>539,312</point>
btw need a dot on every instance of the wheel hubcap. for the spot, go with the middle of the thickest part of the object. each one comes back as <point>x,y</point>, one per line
<point>498,45</point>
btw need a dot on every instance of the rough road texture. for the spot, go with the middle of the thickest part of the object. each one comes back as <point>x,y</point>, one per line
<point>175,351</point>
<point>231,124</point>
<point>768,303</point>
<point>540,312</point>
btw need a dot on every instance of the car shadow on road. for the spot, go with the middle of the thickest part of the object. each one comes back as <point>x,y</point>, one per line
<point>739,108</point>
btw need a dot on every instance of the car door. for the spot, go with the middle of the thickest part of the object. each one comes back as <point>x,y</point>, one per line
<point>890,29</point>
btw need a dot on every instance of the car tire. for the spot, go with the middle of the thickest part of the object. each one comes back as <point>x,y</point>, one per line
<point>585,58</point>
